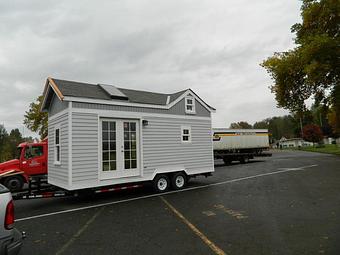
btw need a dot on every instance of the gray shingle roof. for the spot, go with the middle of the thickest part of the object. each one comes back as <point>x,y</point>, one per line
<point>87,90</point>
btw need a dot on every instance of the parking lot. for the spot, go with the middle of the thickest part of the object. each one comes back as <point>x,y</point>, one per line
<point>286,204</point>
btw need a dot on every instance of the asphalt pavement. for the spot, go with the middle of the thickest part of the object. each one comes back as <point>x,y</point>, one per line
<point>285,204</point>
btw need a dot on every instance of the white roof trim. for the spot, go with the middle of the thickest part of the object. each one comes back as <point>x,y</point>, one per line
<point>186,93</point>
<point>115,102</point>
<point>47,90</point>
<point>168,100</point>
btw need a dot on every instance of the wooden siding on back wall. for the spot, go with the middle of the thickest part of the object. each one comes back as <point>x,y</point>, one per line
<point>58,174</point>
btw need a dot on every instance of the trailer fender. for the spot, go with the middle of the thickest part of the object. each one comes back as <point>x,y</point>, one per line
<point>169,169</point>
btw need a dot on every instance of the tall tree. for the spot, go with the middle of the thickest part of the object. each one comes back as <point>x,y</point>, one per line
<point>312,133</point>
<point>240,125</point>
<point>263,124</point>
<point>3,140</point>
<point>36,120</point>
<point>312,69</point>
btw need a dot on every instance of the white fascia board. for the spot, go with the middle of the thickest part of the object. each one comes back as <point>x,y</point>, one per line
<point>101,101</point>
<point>47,90</point>
<point>193,94</point>
<point>166,107</point>
<point>135,115</point>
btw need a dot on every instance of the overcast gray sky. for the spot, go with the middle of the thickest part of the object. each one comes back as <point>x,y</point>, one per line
<point>213,47</point>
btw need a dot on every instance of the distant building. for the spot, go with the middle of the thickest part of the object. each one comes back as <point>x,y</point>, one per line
<point>293,142</point>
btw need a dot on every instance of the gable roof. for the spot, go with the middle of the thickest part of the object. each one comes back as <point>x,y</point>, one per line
<point>65,89</point>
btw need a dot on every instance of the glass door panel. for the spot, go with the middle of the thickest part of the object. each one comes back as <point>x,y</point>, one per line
<point>130,140</point>
<point>109,146</point>
<point>119,148</point>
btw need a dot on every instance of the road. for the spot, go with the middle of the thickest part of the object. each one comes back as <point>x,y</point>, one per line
<point>286,204</point>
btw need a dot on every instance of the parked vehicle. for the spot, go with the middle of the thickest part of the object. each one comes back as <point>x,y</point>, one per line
<point>101,136</point>
<point>31,160</point>
<point>10,238</point>
<point>240,144</point>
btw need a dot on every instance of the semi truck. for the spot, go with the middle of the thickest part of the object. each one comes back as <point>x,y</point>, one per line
<point>240,144</point>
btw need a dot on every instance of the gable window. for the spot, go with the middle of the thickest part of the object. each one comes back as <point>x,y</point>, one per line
<point>190,105</point>
<point>57,146</point>
<point>186,134</point>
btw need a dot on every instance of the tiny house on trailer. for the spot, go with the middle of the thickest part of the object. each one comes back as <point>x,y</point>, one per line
<point>100,135</point>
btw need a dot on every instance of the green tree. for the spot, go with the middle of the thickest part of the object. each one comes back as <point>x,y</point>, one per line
<point>312,68</point>
<point>240,125</point>
<point>35,120</point>
<point>263,124</point>
<point>3,140</point>
<point>14,139</point>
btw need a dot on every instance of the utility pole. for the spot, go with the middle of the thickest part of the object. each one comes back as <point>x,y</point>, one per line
<point>320,119</point>
<point>301,127</point>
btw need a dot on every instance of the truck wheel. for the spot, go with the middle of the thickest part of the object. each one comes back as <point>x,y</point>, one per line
<point>161,183</point>
<point>14,183</point>
<point>227,161</point>
<point>179,180</point>
<point>244,160</point>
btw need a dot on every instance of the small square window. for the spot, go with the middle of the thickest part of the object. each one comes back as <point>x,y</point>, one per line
<point>190,105</point>
<point>186,134</point>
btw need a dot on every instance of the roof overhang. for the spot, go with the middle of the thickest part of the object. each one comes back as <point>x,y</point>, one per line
<point>50,89</point>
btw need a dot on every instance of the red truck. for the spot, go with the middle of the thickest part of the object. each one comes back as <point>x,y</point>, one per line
<point>30,167</point>
<point>31,160</point>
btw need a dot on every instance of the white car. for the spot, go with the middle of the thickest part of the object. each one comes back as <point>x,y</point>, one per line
<point>10,238</point>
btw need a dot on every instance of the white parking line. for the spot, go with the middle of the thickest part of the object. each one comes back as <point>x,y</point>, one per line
<point>162,194</point>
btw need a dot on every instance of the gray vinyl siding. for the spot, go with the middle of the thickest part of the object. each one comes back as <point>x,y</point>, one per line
<point>177,109</point>
<point>57,106</point>
<point>162,144</point>
<point>161,141</point>
<point>58,174</point>
<point>84,148</point>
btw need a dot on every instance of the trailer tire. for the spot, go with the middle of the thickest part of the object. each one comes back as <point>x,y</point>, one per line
<point>161,183</point>
<point>179,180</point>
<point>14,183</point>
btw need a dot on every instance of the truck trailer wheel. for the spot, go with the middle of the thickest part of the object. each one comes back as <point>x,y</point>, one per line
<point>179,180</point>
<point>14,183</point>
<point>161,183</point>
<point>244,160</point>
<point>227,160</point>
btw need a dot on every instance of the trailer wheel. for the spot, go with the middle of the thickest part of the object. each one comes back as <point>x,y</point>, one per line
<point>161,183</point>
<point>14,183</point>
<point>179,180</point>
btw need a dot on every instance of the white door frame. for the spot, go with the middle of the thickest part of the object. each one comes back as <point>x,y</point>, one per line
<point>121,172</point>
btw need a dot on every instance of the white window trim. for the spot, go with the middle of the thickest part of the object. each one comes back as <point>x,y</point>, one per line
<point>56,162</point>
<point>189,135</point>
<point>193,111</point>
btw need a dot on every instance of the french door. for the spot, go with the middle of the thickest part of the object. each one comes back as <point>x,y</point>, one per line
<point>119,152</point>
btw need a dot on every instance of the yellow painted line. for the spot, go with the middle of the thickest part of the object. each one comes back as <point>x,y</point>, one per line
<point>80,231</point>
<point>203,237</point>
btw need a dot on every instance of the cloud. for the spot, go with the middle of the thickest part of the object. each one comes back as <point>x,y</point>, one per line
<point>213,47</point>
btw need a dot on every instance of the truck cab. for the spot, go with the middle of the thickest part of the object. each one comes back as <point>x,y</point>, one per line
<point>31,159</point>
